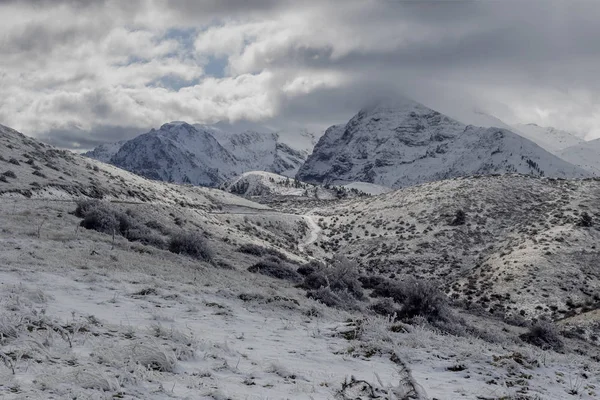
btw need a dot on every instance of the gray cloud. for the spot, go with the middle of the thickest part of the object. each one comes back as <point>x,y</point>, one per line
<point>78,73</point>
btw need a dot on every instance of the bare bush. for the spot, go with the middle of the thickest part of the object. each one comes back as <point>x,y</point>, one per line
<point>423,298</point>
<point>342,300</point>
<point>310,267</point>
<point>103,217</point>
<point>340,275</point>
<point>191,244</point>
<point>315,280</point>
<point>543,334</point>
<point>9,174</point>
<point>260,251</point>
<point>385,307</point>
<point>275,268</point>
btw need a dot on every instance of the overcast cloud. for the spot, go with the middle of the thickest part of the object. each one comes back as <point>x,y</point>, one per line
<point>79,73</point>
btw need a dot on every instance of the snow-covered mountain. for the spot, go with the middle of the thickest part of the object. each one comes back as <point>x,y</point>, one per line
<point>178,152</point>
<point>404,143</point>
<point>551,139</point>
<point>263,152</point>
<point>206,155</point>
<point>105,152</point>
<point>585,155</point>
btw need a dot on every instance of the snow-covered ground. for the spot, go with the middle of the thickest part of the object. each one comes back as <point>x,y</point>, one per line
<point>81,318</point>
<point>85,314</point>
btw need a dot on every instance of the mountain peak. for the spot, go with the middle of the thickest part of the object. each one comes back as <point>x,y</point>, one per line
<point>401,143</point>
<point>392,105</point>
<point>176,124</point>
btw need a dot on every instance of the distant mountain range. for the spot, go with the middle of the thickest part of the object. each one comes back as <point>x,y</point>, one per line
<point>205,155</point>
<point>391,144</point>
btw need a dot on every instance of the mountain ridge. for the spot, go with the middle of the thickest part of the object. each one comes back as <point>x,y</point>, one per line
<point>404,143</point>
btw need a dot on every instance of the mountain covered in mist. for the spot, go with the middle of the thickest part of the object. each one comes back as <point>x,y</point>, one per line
<point>404,143</point>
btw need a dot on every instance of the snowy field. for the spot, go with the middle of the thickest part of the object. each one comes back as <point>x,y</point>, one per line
<point>81,319</point>
<point>91,315</point>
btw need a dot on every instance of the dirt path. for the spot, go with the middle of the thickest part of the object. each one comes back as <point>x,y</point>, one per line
<point>313,234</point>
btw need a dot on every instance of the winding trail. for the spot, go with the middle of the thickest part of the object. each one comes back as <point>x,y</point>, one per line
<point>315,229</point>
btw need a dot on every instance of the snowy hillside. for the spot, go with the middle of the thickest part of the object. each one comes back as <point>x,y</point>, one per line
<point>265,185</point>
<point>114,286</point>
<point>551,139</point>
<point>585,155</point>
<point>405,143</point>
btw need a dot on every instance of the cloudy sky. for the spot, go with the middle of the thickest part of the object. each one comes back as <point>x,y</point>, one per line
<point>79,73</point>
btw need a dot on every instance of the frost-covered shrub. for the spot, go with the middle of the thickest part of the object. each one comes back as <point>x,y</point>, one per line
<point>371,281</point>
<point>94,380</point>
<point>252,249</point>
<point>340,275</point>
<point>415,298</point>
<point>309,268</point>
<point>275,268</point>
<point>343,276</point>
<point>315,280</point>
<point>423,298</point>
<point>101,219</point>
<point>152,224</point>
<point>153,358</point>
<point>385,307</point>
<point>390,289</point>
<point>191,244</point>
<point>341,300</point>
<point>325,296</point>
<point>84,206</point>
<point>146,237</point>
<point>104,217</point>
<point>10,174</point>
<point>543,334</point>
<point>260,251</point>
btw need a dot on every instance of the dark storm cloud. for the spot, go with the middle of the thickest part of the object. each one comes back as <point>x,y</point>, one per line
<point>68,63</point>
<point>73,138</point>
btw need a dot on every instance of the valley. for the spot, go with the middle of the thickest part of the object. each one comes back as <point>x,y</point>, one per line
<point>132,311</point>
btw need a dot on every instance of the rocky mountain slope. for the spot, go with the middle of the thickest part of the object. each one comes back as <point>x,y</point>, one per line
<point>206,155</point>
<point>178,152</point>
<point>550,139</point>
<point>520,248</point>
<point>124,313</point>
<point>585,155</point>
<point>105,152</point>
<point>404,143</point>
<point>258,151</point>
